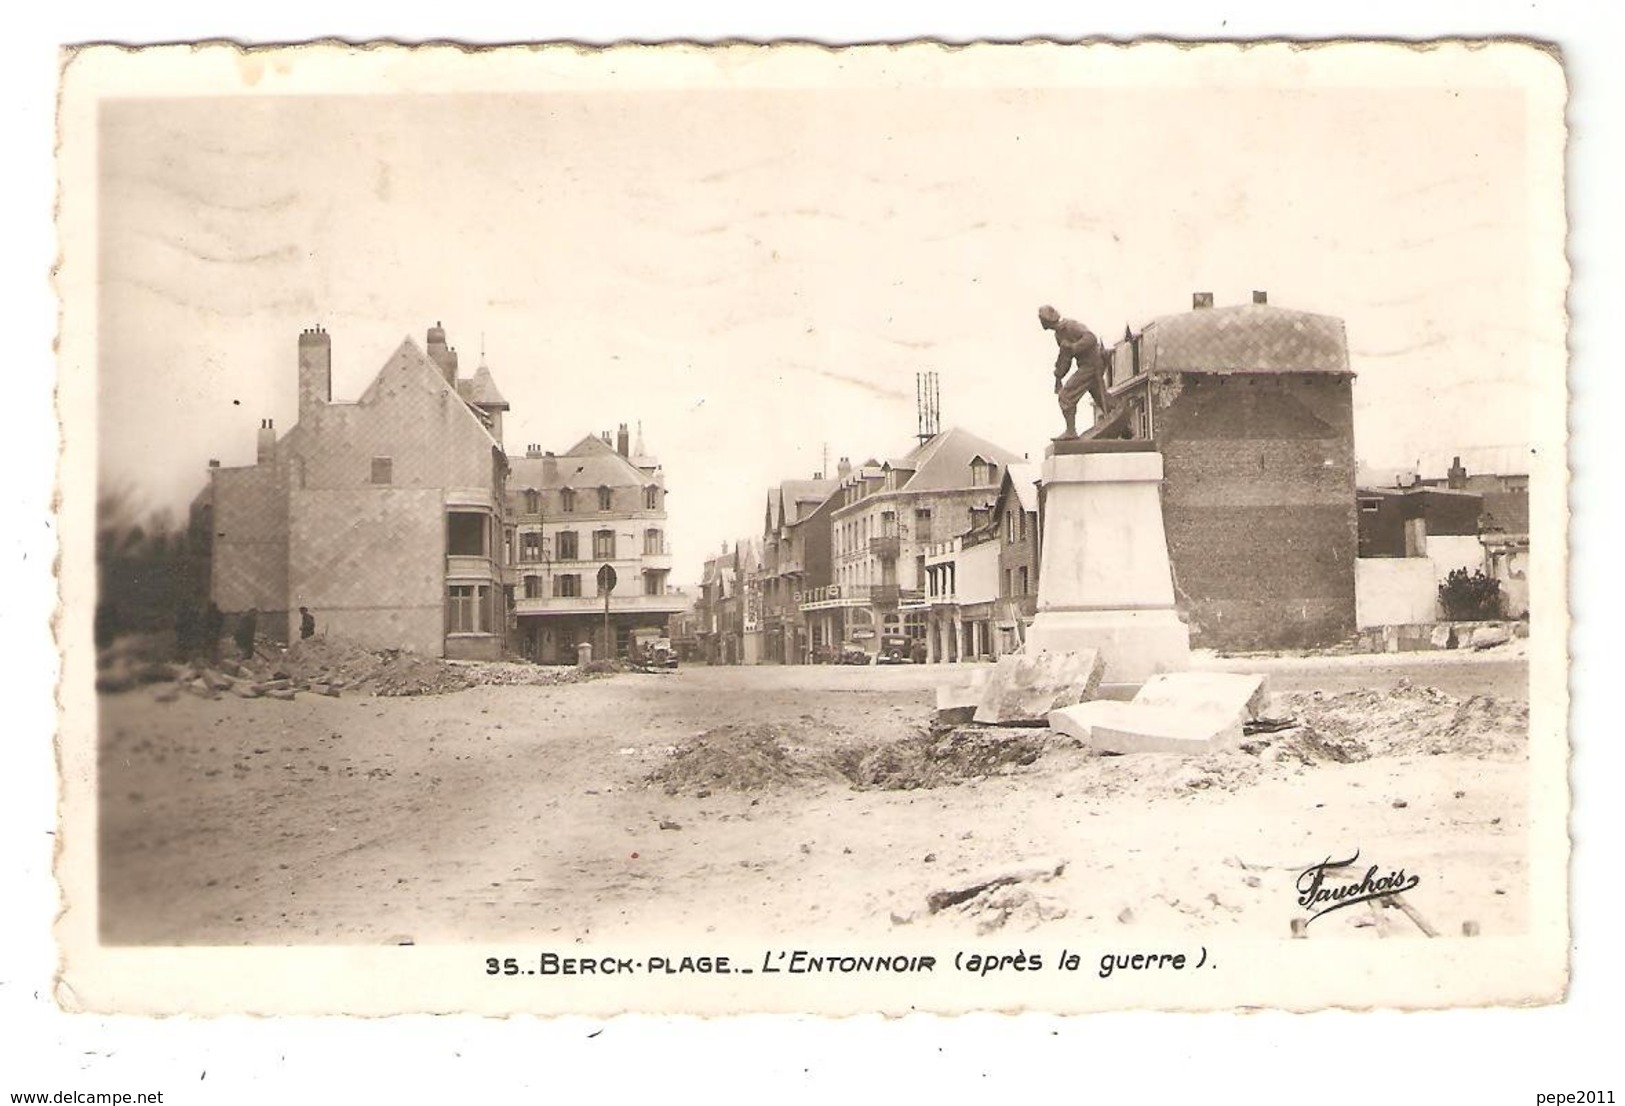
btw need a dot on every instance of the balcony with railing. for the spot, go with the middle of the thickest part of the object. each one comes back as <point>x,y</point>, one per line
<point>886,547</point>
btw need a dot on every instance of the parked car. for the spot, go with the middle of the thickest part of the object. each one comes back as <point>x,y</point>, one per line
<point>896,649</point>
<point>854,654</point>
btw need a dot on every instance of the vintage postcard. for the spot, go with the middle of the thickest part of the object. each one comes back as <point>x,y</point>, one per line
<point>775,528</point>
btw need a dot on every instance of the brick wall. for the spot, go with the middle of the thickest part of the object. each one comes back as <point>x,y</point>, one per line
<point>1259,505</point>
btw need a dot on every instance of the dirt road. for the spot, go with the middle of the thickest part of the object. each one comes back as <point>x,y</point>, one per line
<point>510,812</point>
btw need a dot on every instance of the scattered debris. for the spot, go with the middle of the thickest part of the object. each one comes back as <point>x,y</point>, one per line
<point>938,901</point>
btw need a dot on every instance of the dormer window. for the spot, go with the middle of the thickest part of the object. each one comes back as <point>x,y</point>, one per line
<point>978,472</point>
<point>651,498</point>
<point>533,501</point>
<point>567,499</point>
<point>605,498</point>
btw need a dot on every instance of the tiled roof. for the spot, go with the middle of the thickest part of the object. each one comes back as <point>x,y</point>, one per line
<point>802,497</point>
<point>481,390</point>
<point>1024,480</point>
<point>1245,338</point>
<point>943,462</point>
<point>589,464</point>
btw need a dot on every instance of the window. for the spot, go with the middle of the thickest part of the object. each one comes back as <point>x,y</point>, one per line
<point>1010,527</point>
<point>465,534</point>
<point>507,545</point>
<point>569,546</point>
<point>468,609</point>
<point>533,587</point>
<point>567,586</point>
<point>383,470</point>
<point>654,582</point>
<point>888,524</point>
<point>978,472</point>
<point>533,501</point>
<point>1370,504</point>
<point>605,498</point>
<point>651,498</point>
<point>922,525</point>
<point>603,544</point>
<point>530,545</point>
<point>1007,575</point>
<point>1021,579</point>
<point>651,542</point>
<point>567,499</point>
<point>1021,527</point>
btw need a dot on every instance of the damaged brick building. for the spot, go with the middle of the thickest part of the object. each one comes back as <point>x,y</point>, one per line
<point>384,515</point>
<point>1252,409</point>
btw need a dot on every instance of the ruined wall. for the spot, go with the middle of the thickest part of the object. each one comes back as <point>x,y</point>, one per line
<point>371,563</point>
<point>250,545</point>
<point>1259,505</point>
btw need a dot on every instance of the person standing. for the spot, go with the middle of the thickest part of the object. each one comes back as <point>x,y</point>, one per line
<point>307,624</point>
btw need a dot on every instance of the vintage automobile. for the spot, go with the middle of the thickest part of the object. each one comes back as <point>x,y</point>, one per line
<point>896,649</point>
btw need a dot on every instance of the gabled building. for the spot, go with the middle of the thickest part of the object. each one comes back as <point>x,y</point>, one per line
<point>795,558</point>
<point>594,512</point>
<point>889,514</point>
<point>1015,520</point>
<point>383,515</point>
<point>1252,409</point>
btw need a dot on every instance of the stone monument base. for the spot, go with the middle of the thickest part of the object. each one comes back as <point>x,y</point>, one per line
<point>1135,645</point>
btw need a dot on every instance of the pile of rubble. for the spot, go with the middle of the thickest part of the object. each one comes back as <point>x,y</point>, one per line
<point>317,666</point>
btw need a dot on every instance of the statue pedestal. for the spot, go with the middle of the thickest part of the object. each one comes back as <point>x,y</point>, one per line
<point>1104,580</point>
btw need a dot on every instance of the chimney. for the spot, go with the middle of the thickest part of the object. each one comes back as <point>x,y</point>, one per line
<point>533,451</point>
<point>315,372</point>
<point>623,441</point>
<point>441,354</point>
<point>214,462</point>
<point>843,470</point>
<point>1456,478</point>
<point>1260,297</point>
<point>265,447</point>
<point>1201,300</point>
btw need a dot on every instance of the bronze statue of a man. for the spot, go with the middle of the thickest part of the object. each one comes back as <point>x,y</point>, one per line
<point>1082,353</point>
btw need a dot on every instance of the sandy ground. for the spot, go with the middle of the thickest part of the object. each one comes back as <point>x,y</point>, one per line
<point>524,812</point>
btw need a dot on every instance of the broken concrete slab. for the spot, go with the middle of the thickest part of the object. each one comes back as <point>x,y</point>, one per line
<point>1443,636</point>
<point>1226,692</point>
<point>1023,690</point>
<point>1121,728</point>
<point>1490,635</point>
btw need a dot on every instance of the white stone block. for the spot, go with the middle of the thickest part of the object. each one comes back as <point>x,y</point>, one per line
<point>1025,689</point>
<point>1122,728</point>
<point>1246,696</point>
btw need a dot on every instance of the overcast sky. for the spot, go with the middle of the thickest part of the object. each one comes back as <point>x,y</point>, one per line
<point>756,274</point>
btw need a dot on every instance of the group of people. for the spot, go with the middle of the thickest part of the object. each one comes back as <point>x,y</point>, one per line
<point>198,633</point>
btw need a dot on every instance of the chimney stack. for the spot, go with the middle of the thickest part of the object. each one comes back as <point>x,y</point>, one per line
<point>1201,300</point>
<point>1260,297</point>
<point>843,470</point>
<point>1456,478</point>
<point>441,354</point>
<point>623,441</point>
<point>265,447</point>
<point>315,372</point>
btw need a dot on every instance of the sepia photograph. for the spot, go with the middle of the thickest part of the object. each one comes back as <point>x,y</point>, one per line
<point>860,530</point>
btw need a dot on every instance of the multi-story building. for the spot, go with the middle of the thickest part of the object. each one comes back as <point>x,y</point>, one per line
<point>383,515</point>
<point>724,624</point>
<point>888,515</point>
<point>795,558</point>
<point>1015,520</point>
<point>962,589</point>
<point>591,515</point>
<point>1252,409</point>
